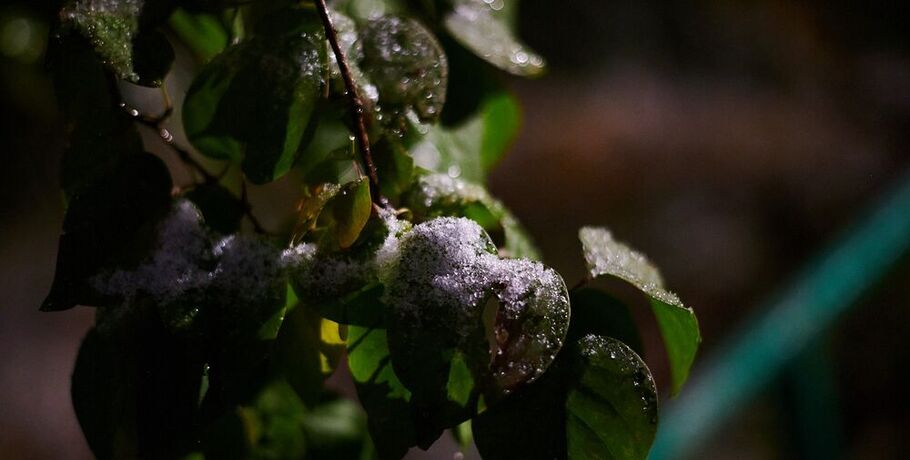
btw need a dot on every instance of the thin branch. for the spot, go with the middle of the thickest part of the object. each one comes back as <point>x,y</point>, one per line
<point>356,102</point>
<point>156,122</point>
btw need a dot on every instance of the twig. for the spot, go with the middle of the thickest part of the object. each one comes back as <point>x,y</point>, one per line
<point>156,122</point>
<point>356,102</point>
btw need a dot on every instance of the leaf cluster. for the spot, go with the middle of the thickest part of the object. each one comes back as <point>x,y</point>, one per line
<point>214,337</point>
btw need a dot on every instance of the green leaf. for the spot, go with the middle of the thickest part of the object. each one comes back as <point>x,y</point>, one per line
<point>362,307</point>
<point>331,138</point>
<point>204,34</point>
<point>395,165</point>
<point>121,32</point>
<point>436,195</point>
<point>598,401</point>
<point>408,66</point>
<point>611,411</point>
<point>109,225</point>
<point>487,30</point>
<point>606,257</point>
<point>275,424</point>
<point>468,151</point>
<point>390,416</point>
<point>335,429</point>
<point>135,390</point>
<point>299,353</point>
<point>351,209</point>
<point>255,100</point>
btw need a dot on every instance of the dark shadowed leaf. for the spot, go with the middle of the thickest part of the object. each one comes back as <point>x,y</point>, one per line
<point>123,36</point>
<point>390,416</point>
<point>253,102</point>
<point>307,351</point>
<point>607,257</point>
<point>108,225</point>
<point>99,132</point>
<point>221,209</point>
<point>135,390</point>
<point>153,56</point>
<point>595,312</point>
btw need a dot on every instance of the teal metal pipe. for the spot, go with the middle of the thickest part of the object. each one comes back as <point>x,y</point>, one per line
<point>751,359</point>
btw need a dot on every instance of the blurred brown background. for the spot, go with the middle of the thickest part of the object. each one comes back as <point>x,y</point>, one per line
<point>729,140</point>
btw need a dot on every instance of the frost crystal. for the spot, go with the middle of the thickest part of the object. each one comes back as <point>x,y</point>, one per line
<point>447,272</point>
<point>186,272</point>
<point>324,277</point>
<point>606,256</point>
<point>110,26</point>
<point>249,270</point>
<point>175,266</point>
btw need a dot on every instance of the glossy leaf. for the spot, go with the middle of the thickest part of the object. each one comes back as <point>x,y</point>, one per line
<point>254,101</point>
<point>611,411</point>
<point>598,401</point>
<point>407,65</point>
<point>606,257</point>
<point>487,30</point>
<point>469,150</point>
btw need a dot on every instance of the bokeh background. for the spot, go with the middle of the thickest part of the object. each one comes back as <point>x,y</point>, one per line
<point>732,141</point>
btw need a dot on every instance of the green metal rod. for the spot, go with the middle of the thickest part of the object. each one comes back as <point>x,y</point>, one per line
<point>750,360</point>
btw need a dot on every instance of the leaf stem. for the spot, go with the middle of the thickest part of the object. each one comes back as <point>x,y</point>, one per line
<point>356,102</point>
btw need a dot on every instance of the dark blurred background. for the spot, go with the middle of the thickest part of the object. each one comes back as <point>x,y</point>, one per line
<point>729,140</point>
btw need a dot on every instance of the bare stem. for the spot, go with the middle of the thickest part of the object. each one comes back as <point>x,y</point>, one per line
<point>156,122</point>
<point>356,102</point>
